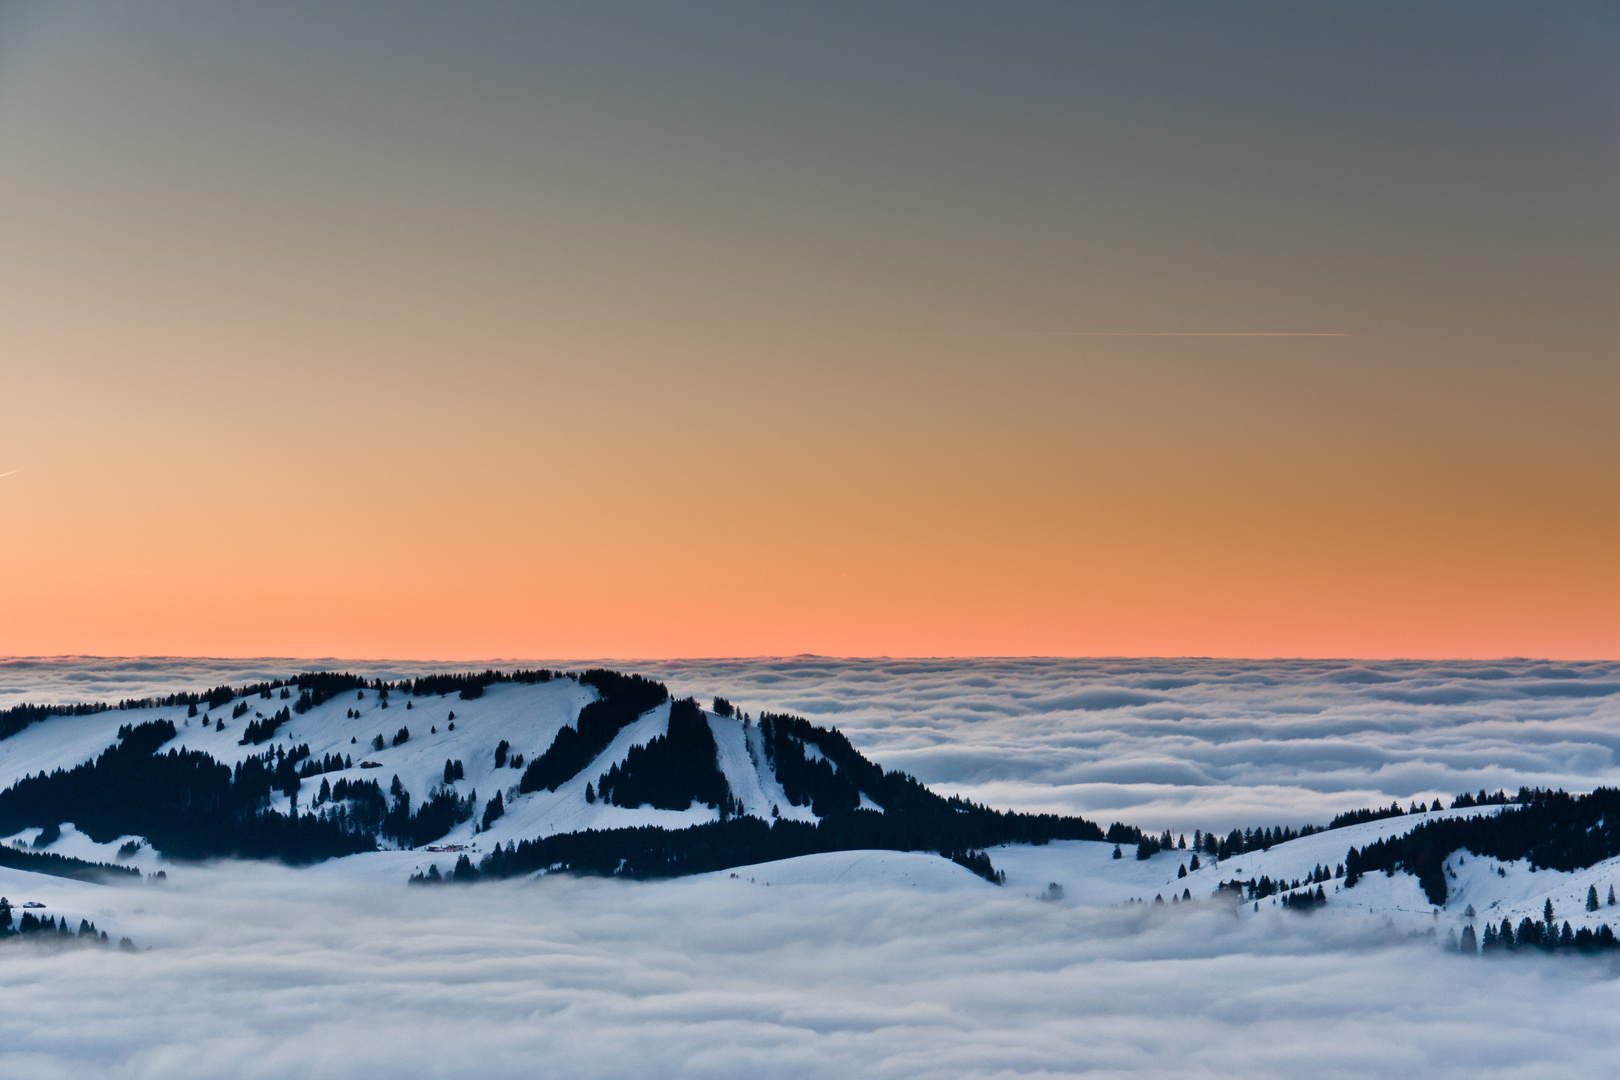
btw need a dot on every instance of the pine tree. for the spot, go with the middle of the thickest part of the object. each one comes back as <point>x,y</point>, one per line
<point>495,809</point>
<point>1469,945</point>
<point>1547,912</point>
<point>1611,896</point>
<point>1117,855</point>
<point>1591,898</point>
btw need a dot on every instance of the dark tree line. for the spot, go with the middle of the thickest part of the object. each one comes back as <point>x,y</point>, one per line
<point>17,717</point>
<point>259,732</point>
<point>188,805</point>
<point>673,770</point>
<point>1552,829</point>
<point>624,698</point>
<point>650,852</point>
<point>471,685</point>
<point>314,688</point>
<point>1546,936</point>
<point>50,928</point>
<point>48,862</point>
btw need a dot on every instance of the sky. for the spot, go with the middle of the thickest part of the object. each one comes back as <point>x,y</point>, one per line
<point>392,330</point>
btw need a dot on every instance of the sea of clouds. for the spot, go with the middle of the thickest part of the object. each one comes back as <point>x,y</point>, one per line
<point>261,971</point>
<point>265,971</point>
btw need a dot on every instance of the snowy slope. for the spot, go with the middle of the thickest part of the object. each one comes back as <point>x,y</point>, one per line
<point>527,716</point>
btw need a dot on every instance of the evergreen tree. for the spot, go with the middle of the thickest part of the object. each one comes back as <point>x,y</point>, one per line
<point>1591,898</point>
<point>495,809</point>
<point>1547,912</point>
<point>1469,944</point>
<point>1117,854</point>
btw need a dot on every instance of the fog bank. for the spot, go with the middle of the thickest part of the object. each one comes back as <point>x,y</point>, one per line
<point>261,971</point>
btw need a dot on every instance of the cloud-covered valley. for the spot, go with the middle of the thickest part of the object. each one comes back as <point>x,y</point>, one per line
<point>260,970</point>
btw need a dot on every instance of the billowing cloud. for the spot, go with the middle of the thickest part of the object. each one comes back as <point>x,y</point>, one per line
<point>261,971</point>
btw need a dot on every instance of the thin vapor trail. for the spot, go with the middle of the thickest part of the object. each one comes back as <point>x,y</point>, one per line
<point>1176,333</point>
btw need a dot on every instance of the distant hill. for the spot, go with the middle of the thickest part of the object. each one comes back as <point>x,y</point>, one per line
<point>328,764</point>
<point>601,772</point>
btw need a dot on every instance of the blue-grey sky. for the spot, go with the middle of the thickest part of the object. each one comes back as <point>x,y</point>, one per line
<point>717,329</point>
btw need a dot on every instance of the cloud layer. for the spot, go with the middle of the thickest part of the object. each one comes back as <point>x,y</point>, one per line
<point>263,971</point>
<point>268,972</point>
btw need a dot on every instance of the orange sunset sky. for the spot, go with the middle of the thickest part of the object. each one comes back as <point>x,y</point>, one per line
<point>384,330</point>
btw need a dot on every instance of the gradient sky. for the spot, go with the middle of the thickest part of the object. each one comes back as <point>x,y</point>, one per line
<point>459,331</point>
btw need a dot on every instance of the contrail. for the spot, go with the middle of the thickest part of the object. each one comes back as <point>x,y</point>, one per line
<point>1175,333</point>
<point>13,472</point>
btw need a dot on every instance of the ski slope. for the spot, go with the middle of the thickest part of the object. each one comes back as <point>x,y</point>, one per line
<point>528,717</point>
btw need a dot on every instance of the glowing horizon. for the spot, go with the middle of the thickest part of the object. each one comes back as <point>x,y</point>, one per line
<point>519,333</point>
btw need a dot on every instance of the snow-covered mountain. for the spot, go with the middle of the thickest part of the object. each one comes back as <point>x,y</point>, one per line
<point>328,765</point>
<point>568,761</point>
